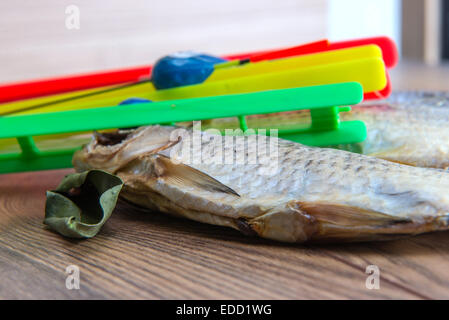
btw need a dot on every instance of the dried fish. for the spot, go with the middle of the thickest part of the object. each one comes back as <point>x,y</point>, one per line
<point>270,187</point>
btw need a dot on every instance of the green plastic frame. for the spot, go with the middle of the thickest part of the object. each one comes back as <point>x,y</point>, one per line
<point>323,101</point>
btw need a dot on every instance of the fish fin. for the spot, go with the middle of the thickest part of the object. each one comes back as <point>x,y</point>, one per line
<point>394,154</point>
<point>345,215</point>
<point>150,152</point>
<point>411,164</point>
<point>168,145</point>
<point>350,223</point>
<point>181,174</point>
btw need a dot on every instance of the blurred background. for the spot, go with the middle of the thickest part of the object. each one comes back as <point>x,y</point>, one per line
<point>48,38</point>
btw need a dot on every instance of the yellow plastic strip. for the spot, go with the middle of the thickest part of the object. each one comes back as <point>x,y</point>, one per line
<point>362,64</point>
<point>370,73</point>
<point>108,98</point>
<point>303,61</point>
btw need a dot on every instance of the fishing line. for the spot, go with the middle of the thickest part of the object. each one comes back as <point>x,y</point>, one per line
<point>84,95</point>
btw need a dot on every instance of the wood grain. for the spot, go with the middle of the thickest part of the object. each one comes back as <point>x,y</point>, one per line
<point>150,255</point>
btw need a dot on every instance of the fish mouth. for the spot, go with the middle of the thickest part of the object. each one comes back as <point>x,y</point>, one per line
<point>112,138</point>
<point>81,158</point>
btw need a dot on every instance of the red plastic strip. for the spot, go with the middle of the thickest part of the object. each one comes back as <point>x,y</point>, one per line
<point>246,55</point>
<point>38,88</point>
<point>290,52</point>
<point>389,55</point>
<point>382,94</point>
<point>43,87</point>
<point>388,47</point>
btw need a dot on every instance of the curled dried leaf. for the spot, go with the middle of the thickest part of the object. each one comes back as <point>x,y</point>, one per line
<point>82,203</point>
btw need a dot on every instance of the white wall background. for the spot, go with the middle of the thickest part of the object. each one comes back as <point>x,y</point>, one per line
<point>35,42</point>
<point>363,18</point>
<point>117,33</point>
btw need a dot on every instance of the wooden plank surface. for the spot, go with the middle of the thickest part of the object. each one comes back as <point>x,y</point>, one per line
<point>150,255</point>
<point>142,255</point>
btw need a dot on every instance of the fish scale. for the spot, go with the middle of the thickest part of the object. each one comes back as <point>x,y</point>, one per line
<point>294,194</point>
<point>410,127</point>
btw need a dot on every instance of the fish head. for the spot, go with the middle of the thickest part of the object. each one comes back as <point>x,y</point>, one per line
<point>111,150</point>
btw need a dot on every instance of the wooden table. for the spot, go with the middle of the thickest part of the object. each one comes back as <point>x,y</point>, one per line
<point>141,255</point>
